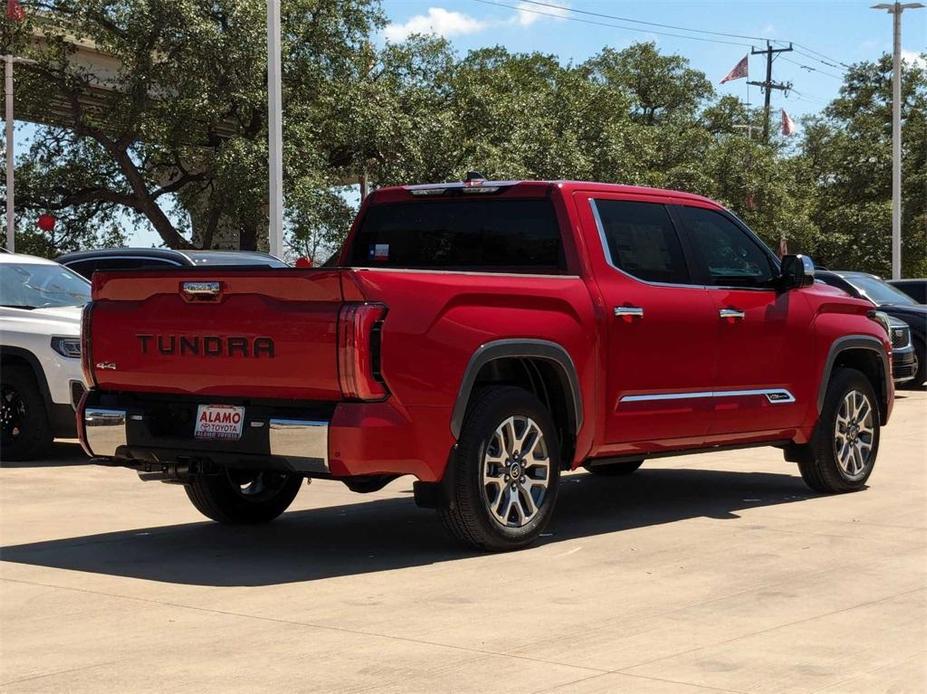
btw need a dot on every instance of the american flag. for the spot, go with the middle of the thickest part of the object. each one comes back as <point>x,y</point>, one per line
<point>739,72</point>
<point>15,11</point>
<point>788,125</point>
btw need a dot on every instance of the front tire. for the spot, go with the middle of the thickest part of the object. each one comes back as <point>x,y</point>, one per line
<point>843,450</point>
<point>243,497</point>
<point>26,434</point>
<point>505,473</point>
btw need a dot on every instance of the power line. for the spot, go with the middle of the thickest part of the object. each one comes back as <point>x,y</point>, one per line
<point>641,21</point>
<point>813,69</point>
<point>804,97</point>
<point>607,24</point>
<point>818,53</point>
<point>819,60</point>
<point>809,53</point>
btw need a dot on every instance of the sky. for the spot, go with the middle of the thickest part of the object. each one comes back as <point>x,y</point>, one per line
<point>826,35</point>
<point>832,32</point>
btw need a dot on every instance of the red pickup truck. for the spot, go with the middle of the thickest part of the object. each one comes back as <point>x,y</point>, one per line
<point>484,336</point>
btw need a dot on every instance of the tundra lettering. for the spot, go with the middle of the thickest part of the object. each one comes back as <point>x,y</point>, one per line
<point>208,345</point>
<point>486,337</point>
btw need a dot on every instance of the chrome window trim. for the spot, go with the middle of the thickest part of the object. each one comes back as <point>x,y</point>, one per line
<point>770,393</point>
<point>606,251</point>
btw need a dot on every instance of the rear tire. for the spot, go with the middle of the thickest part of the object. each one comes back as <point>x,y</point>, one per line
<point>843,450</point>
<point>614,469</point>
<point>243,497</point>
<point>26,434</point>
<point>505,472</point>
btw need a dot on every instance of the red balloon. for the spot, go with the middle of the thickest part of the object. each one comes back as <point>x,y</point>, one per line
<point>46,222</point>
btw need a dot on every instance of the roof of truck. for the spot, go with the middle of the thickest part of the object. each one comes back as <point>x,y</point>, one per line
<point>566,186</point>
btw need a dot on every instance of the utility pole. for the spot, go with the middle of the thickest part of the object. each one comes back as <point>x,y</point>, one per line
<point>274,130</point>
<point>768,85</point>
<point>895,9</point>
<point>10,218</point>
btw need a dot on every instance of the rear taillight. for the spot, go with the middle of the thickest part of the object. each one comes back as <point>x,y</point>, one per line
<point>86,353</point>
<point>359,351</point>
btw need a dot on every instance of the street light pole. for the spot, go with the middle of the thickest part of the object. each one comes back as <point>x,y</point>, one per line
<point>895,9</point>
<point>274,129</point>
<point>10,219</point>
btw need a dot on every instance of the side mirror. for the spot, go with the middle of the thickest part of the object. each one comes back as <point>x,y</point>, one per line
<point>303,261</point>
<point>796,271</point>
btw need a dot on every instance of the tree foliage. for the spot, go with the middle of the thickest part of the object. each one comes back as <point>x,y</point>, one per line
<point>178,139</point>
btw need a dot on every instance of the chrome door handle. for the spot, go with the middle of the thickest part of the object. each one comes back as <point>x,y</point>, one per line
<point>733,313</point>
<point>633,311</point>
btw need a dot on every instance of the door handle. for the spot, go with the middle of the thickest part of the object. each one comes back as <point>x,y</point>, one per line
<point>632,311</point>
<point>732,313</point>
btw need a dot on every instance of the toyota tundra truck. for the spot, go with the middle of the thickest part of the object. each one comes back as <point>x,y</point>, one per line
<point>484,337</point>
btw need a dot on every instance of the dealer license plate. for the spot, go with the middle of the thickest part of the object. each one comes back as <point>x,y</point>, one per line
<point>219,422</point>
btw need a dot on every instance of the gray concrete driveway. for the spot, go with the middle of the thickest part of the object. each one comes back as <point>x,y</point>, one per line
<point>703,573</point>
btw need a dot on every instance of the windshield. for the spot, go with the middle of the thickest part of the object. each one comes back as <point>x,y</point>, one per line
<point>877,291</point>
<point>31,285</point>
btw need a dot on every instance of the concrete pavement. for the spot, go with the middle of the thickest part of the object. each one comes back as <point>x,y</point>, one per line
<point>703,573</point>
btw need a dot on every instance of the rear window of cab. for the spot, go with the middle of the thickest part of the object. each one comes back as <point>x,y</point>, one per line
<point>484,235</point>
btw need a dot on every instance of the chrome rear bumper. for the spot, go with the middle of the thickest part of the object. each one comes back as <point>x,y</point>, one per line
<point>104,431</point>
<point>122,435</point>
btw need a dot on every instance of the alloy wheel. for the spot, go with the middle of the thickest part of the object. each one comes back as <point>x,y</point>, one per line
<point>854,432</point>
<point>516,472</point>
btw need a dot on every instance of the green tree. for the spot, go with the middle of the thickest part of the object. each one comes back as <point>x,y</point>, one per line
<point>848,155</point>
<point>177,135</point>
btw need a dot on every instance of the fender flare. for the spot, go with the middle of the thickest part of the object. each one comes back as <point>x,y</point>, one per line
<point>847,342</point>
<point>37,371</point>
<point>519,348</point>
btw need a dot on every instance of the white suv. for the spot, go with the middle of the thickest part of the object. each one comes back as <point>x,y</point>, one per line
<point>40,374</point>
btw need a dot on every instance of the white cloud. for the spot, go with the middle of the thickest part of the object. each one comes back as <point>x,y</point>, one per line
<point>914,58</point>
<point>449,23</point>
<point>438,21</point>
<point>529,13</point>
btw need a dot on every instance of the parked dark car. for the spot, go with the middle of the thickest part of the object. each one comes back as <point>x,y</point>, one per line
<point>916,289</point>
<point>896,304</point>
<point>87,262</point>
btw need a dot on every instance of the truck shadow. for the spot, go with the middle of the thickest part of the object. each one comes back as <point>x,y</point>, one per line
<point>63,453</point>
<point>385,534</point>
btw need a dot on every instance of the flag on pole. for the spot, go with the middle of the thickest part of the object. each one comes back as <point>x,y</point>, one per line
<point>740,71</point>
<point>15,11</point>
<point>788,125</point>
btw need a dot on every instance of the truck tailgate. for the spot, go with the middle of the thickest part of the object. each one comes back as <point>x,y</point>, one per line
<point>254,333</point>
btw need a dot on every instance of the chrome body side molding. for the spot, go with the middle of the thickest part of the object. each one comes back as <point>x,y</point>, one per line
<point>775,396</point>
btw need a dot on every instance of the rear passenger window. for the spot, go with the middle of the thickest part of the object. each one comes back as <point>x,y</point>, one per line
<point>642,241</point>
<point>489,235</point>
<point>731,257</point>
